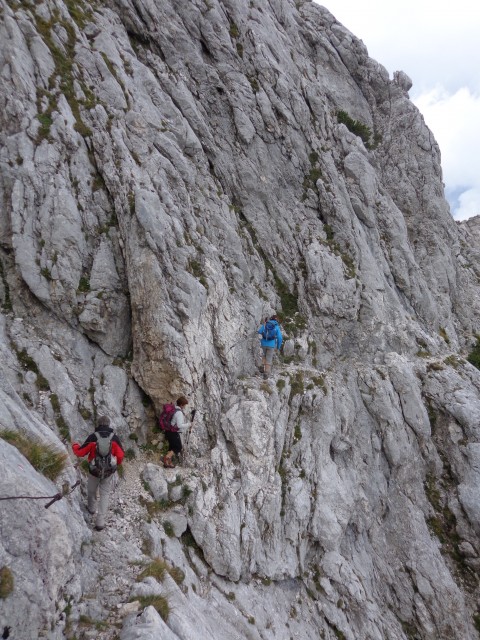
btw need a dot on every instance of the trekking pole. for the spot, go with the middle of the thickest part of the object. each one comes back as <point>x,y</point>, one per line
<point>187,437</point>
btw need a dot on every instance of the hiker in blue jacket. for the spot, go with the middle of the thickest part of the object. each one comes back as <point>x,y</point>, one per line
<point>271,340</point>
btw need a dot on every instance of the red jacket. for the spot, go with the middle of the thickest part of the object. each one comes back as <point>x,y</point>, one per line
<point>90,445</point>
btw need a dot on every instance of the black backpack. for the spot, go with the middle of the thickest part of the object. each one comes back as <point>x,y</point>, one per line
<point>269,330</point>
<point>103,464</point>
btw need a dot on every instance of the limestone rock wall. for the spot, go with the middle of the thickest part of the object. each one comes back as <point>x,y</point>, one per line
<point>172,172</point>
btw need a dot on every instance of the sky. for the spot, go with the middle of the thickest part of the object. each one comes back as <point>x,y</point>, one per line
<point>437,44</point>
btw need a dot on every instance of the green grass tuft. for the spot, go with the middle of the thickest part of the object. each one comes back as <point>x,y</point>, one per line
<point>474,356</point>
<point>45,460</point>
<point>6,582</point>
<point>155,569</point>
<point>159,603</point>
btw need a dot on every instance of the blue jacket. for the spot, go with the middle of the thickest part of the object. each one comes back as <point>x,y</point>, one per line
<point>277,341</point>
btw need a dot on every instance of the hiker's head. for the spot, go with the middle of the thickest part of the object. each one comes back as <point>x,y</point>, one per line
<point>182,401</point>
<point>274,317</point>
<point>103,421</point>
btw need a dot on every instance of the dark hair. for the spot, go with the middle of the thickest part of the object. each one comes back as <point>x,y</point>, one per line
<point>274,317</point>
<point>103,421</point>
<point>182,401</point>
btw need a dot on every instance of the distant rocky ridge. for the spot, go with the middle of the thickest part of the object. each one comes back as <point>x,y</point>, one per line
<point>171,172</point>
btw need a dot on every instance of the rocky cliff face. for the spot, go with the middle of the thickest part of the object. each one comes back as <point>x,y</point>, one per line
<point>171,172</point>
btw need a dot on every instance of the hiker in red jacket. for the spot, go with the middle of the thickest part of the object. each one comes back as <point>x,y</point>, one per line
<point>105,454</point>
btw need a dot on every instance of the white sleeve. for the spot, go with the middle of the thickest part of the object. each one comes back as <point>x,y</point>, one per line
<point>179,421</point>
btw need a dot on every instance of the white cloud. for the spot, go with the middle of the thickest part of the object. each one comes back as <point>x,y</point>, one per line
<point>469,204</point>
<point>455,121</point>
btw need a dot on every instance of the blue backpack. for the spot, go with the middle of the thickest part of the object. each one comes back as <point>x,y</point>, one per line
<point>270,330</point>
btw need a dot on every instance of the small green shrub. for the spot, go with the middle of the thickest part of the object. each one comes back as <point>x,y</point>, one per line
<point>6,582</point>
<point>42,383</point>
<point>297,434</point>
<point>230,596</point>
<point>297,385</point>
<point>339,634</point>
<point>54,401</point>
<point>319,381</point>
<point>130,454</point>
<point>7,302</point>
<point>421,353</point>
<point>356,127</point>
<point>84,467</point>
<point>78,12</point>
<point>474,356</point>
<point>265,388</point>
<point>62,427</point>
<point>131,202</point>
<point>46,273</point>
<point>476,621</point>
<point>311,178</point>
<point>347,260</point>
<point>26,361</point>
<point>87,621</point>
<point>254,84</point>
<point>196,270</point>
<point>156,507</point>
<point>168,528</point>
<point>84,285</point>
<point>454,361</point>
<point>234,32</point>
<point>42,458</point>
<point>46,122</point>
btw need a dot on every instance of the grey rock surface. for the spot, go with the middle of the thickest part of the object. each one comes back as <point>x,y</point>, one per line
<point>154,477</point>
<point>163,190</point>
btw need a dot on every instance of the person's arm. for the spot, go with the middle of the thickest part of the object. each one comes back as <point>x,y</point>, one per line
<point>117,450</point>
<point>260,331</point>
<point>279,338</point>
<point>87,448</point>
<point>179,421</point>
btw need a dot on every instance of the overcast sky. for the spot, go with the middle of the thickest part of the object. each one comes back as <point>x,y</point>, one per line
<point>438,45</point>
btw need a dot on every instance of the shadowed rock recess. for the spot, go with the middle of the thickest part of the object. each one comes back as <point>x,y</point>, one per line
<point>171,172</point>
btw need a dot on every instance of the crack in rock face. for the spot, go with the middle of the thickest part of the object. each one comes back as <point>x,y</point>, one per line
<point>171,176</point>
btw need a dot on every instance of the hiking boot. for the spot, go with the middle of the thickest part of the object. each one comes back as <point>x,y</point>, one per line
<point>91,511</point>
<point>98,528</point>
<point>266,376</point>
<point>168,464</point>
